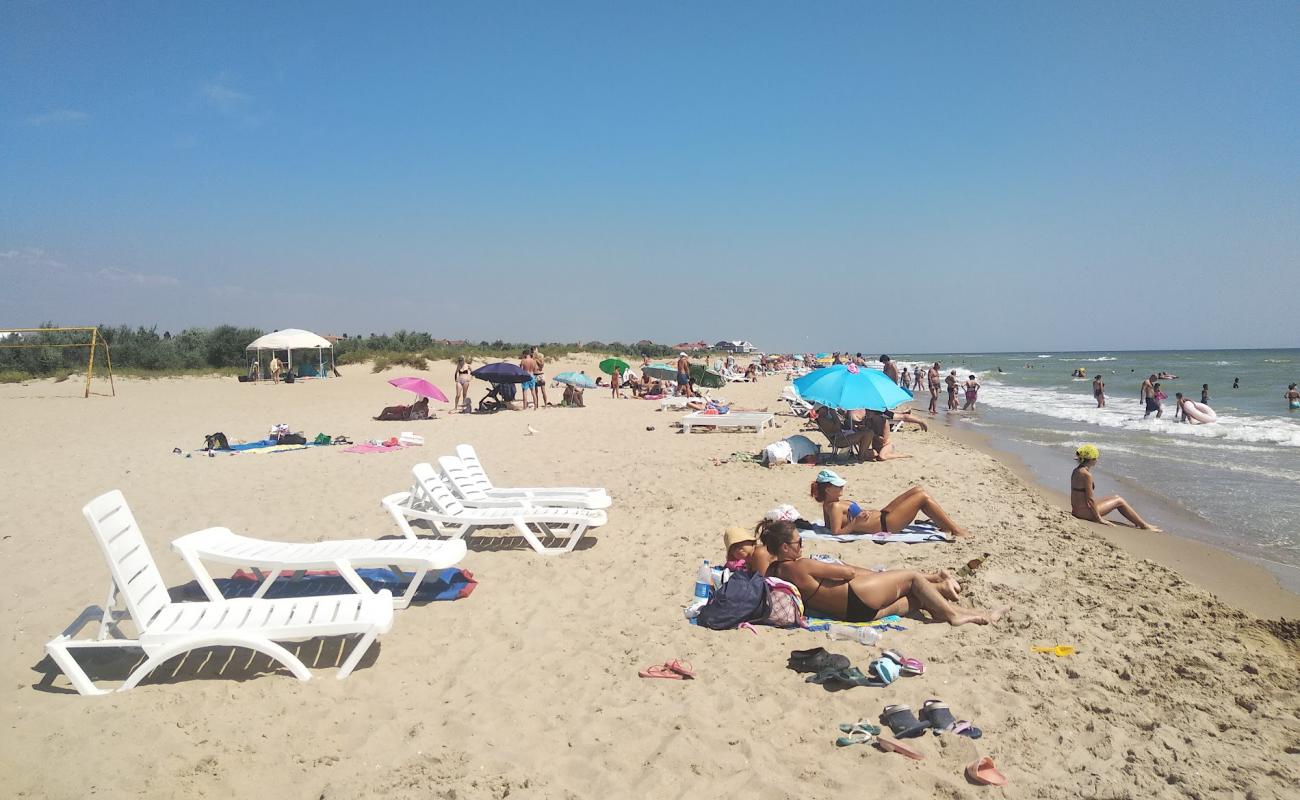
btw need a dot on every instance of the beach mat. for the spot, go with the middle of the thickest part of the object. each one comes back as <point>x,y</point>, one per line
<point>916,533</point>
<point>448,584</point>
<point>822,623</point>
<point>372,448</point>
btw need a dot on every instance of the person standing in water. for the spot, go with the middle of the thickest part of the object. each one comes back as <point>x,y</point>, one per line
<point>1234,383</point>
<point>889,367</point>
<point>932,375</point>
<point>1292,397</point>
<point>1099,390</point>
<point>972,387</point>
<point>1205,394</point>
<point>1148,396</point>
<point>951,381</point>
<point>1086,507</point>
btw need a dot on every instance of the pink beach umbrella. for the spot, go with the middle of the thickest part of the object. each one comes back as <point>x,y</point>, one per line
<point>421,387</point>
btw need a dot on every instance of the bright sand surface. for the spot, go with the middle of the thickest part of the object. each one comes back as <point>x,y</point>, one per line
<point>529,687</point>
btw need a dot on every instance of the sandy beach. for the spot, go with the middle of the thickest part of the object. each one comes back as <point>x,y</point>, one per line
<point>529,687</point>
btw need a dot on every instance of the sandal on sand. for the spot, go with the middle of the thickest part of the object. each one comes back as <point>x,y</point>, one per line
<point>903,722</point>
<point>891,746</point>
<point>856,736</point>
<point>940,718</point>
<point>843,679</point>
<point>681,667</point>
<point>860,725</point>
<point>661,671</point>
<point>817,659</point>
<point>983,773</point>
<point>907,666</point>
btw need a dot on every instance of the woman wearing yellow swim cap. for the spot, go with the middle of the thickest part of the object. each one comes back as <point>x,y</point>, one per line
<point>1084,506</point>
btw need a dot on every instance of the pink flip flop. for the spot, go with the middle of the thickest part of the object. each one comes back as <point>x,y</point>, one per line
<point>894,746</point>
<point>661,671</point>
<point>983,773</point>
<point>682,668</point>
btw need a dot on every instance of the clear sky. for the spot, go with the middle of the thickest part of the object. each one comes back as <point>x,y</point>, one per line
<point>879,176</point>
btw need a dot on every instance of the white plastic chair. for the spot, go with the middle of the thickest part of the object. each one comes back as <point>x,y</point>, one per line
<point>474,469</point>
<point>432,500</point>
<point>476,491</point>
<point>166,629</point>
<point>268,559</point>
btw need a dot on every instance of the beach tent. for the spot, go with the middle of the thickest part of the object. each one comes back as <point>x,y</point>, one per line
<point>291,339</point>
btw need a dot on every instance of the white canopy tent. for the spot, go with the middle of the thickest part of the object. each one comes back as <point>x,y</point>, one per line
<point>291,339</point>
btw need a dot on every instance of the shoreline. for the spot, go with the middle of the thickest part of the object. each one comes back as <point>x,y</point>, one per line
<point>1232,579</point>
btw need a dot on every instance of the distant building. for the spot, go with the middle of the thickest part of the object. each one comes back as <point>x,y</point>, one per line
<point>738,346</point>
<point>691,347</point>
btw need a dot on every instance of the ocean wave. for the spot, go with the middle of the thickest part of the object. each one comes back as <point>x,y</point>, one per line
<point>1277,361</point>
<point>1045,356</point>
<point>1099,358</point>
<point>1059,405</point>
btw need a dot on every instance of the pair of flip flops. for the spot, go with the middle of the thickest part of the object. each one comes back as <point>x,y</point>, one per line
<point>675,670</point>
<point>935,715</point>
<point>907,666</point>
<point>860,732</point>
<point>882,672</point>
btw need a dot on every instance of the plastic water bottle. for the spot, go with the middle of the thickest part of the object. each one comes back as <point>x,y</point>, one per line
<point>703,586</point>
<point>859,634</point>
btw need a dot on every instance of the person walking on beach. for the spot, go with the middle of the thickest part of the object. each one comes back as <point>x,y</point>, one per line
<point>461,378</point>
<point>916,378</point>
<point>1099,390</point>
<point>276,367</point>
<point>972,393</point>
<point>1148,396</point>
<point>616,384</point>
<point>932,376</point>
<point>683,375</point>
<point>904,380</point>
<point>951,380</point>
<point>1086,507</point>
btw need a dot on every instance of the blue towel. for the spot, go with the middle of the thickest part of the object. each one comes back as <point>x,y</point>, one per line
<point>449,584</point>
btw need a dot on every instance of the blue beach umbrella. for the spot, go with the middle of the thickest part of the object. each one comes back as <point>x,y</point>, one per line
<point>848,387</point>
<point>579,379</point>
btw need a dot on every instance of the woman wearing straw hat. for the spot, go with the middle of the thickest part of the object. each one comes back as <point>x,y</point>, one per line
<point>1084,506</point>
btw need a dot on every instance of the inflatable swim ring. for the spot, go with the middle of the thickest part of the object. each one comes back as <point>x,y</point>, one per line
<point>1199,411</point>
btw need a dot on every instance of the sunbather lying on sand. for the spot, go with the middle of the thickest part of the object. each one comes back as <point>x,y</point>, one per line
<point>854,594</point>
<point>844,516</point>
<point>417,410</point>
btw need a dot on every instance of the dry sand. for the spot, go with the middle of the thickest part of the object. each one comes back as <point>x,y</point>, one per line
<point>528,688</point>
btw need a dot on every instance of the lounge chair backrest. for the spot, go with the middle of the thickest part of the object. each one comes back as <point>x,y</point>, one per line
<point>469,458</point>
<point>464,482</point>
<point>434,491</point>
<point>129,561</point>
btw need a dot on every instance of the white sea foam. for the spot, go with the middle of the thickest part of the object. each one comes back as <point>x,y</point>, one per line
<point>1127,416</point>
<point>1099,358</point>
<point>1044,356</point>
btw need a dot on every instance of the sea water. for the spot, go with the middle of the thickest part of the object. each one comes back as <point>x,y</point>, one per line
<point>1234,483</point>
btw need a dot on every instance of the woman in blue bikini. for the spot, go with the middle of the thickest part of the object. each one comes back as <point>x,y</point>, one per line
<point>845,516</point>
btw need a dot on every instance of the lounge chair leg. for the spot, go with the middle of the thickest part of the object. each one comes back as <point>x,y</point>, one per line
<point>357,652</point>
<point>58,650</point>
<point>264,646</point>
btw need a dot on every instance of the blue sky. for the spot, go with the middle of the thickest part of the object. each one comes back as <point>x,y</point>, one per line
<point>881,177</point>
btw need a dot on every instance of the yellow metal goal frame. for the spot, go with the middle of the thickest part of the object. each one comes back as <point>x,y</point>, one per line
<point>96,339</point>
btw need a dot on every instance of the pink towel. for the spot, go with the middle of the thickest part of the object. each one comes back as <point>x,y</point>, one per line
<point>371,448</point>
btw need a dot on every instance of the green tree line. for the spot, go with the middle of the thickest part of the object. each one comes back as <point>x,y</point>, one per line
<point>143,350</point>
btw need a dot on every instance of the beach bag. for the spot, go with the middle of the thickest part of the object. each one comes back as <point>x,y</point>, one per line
<point>742,598</point>
<point>293,438</point>
<point>215,441</point>
<point>785,606</point>
<point>321,438</point>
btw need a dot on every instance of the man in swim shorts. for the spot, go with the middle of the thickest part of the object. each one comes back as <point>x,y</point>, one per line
<point>932,376</point>
<point>683,375</point>
<point>1148,396</point>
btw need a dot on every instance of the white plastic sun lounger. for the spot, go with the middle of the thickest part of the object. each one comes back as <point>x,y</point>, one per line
<point>472,488</point>
<point>474,468</point>
<point>166,629</point>
<point>734,419</point>
<point>431,500</point>
<point>669,403</point>
<point>268,559</point>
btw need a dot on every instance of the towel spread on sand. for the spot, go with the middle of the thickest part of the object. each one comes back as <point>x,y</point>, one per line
<point>448,584</point>
<point>263,446</point>
<point>912,534</point>
<point>822,623</point>
<point>372,448</point>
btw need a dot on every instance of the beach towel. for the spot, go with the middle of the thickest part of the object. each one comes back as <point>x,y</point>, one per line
<point>448,584</point>
<point>823,623</point>
<point>916,533</point>
<point>372,448</point>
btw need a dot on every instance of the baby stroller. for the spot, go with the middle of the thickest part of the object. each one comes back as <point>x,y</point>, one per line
<point>497,398</point>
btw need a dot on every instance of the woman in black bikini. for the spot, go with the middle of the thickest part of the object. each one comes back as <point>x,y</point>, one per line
<point>462,385</point>
<point>854,594</point>
<point>844,516</point>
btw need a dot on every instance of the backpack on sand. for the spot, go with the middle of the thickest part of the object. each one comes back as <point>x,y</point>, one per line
<point>742,598</point>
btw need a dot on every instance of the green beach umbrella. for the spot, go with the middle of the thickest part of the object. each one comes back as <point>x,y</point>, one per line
<point>608,365</point>
<point>706,377</point>
<point>661,371</point>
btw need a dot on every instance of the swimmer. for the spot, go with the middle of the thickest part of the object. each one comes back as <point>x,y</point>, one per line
<point>1292,397</point>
